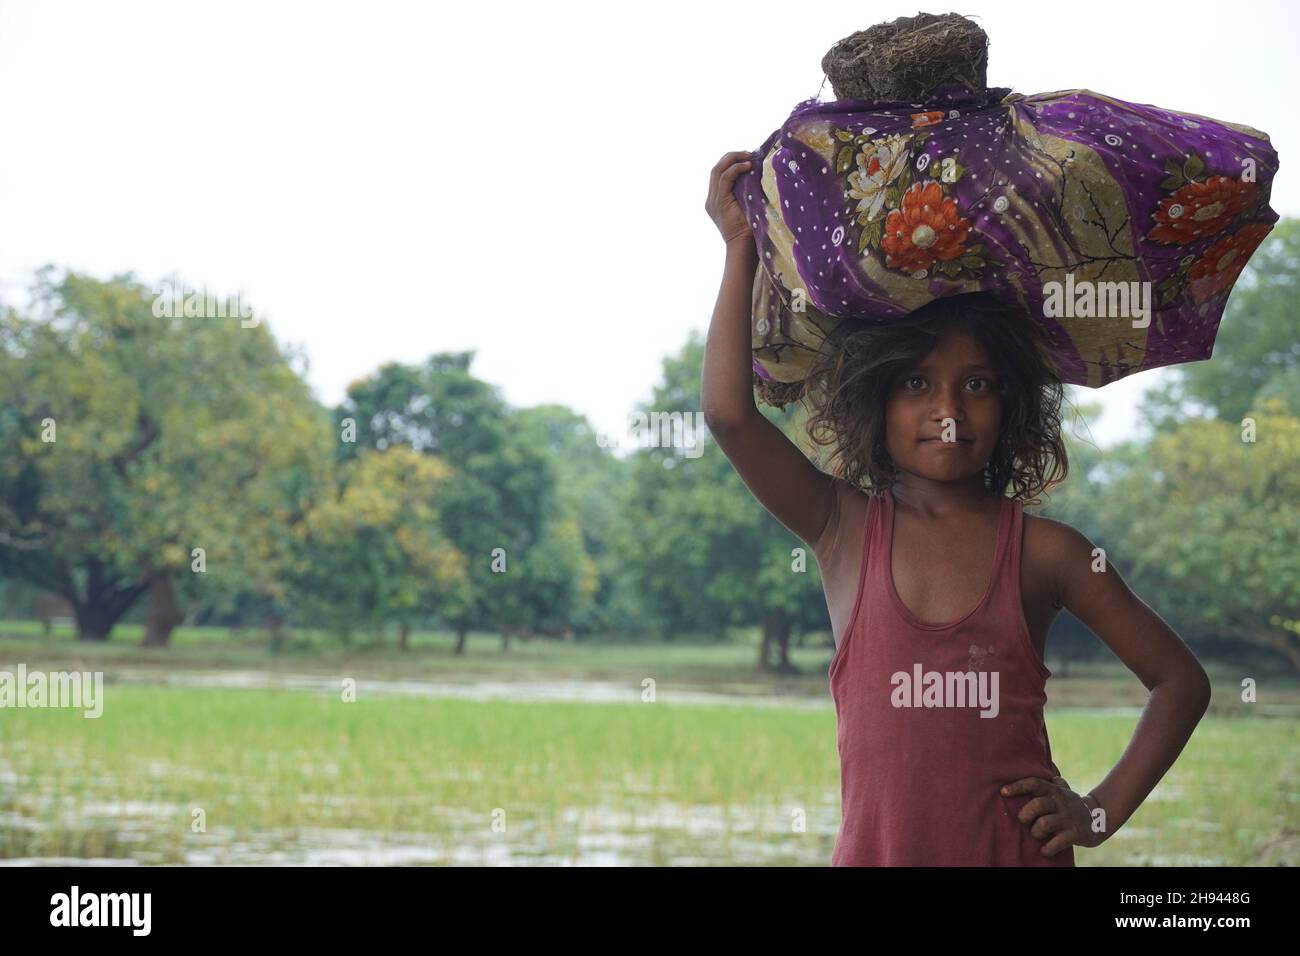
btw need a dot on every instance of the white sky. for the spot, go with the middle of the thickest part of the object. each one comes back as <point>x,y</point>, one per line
<point>380,190</point>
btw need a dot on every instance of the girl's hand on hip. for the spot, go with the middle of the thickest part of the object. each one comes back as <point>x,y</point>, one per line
<point>721,204</point>
<point>1057,814</point>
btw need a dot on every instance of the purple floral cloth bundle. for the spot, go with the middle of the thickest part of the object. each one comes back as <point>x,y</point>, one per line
<point>1121,227</point>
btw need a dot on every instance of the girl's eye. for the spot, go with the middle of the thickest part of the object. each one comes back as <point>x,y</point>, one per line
<point>988,384</point>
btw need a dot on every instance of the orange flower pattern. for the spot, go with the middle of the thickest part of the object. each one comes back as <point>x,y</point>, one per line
<point>927,228</point>
<point>1218,268</point>
<point>915,227</point>
<point>1200,209</point>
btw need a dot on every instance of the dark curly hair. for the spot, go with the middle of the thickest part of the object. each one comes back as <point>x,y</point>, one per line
<point>859,363</point>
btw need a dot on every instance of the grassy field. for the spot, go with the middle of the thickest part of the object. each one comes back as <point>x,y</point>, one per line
<point>282,775</point>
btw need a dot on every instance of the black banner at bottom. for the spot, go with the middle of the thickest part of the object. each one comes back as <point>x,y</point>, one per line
<point>334,905</point>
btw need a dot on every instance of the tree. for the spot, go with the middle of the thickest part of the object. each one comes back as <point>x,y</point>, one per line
<point>499,500</point>
<point>374,552</point>
<point>705,554</point>
<point>144,447</point>
<point>1210,521</point>
<point>589,484</point>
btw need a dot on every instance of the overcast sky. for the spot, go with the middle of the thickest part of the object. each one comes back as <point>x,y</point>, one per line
<point>383,181</point>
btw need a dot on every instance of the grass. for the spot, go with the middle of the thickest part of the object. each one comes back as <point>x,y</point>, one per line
<point>278,775</point>
<point>273,771</point>
<point>280,761</point>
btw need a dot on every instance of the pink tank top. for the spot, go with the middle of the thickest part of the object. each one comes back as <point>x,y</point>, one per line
<point>934,718</point>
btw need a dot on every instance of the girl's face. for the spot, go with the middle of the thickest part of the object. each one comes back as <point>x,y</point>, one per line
<point>953,392</point>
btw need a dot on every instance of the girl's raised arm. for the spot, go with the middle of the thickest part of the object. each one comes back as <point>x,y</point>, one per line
<point>779,475</point>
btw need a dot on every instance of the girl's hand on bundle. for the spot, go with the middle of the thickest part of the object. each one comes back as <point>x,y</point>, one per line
<point>721,204</point>
<point>1056,812</point>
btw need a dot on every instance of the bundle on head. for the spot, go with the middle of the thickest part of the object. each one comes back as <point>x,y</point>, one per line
<point>921,183</point>
<point>906,58</point>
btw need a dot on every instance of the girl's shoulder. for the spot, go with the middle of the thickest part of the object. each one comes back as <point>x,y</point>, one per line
<point>1053,534</point>
<point>1054,547</point>
<point>847,522</point>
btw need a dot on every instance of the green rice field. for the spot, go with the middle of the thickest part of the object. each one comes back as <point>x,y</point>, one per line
<point>547,754</point>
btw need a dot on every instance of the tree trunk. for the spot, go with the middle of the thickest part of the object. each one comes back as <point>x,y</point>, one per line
<point>48,607</point>
<point>97,603</point>
<point>107,598</point>
<point>1283,642</point>
<point>94,621</point>
<point>461,632</point>
<point>783,643</point>
<point>274,624</point>
<point>404,637</point>
<point>776,631</point>
<point>164,612</point>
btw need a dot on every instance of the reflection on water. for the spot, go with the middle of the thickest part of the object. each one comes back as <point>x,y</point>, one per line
<point>660,833</point>
<point>600,692</point>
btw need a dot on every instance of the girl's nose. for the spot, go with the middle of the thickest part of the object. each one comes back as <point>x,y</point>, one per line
<point>947,403</point>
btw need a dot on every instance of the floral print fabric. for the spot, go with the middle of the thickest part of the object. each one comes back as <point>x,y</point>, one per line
<point>866,211</point>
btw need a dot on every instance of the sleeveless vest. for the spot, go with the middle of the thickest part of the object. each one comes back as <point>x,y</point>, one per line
<point>934,718</point>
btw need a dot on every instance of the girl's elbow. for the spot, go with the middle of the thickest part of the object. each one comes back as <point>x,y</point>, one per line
<point>1190,684</point>
<point>1201,689</point>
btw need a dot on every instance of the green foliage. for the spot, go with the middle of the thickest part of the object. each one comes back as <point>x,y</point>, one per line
<point>703,552</point>
<point>1213,521</point>
<point>1204,524</point>
<point>498,508</point>
<point>169,434</point>
<point>375,552</point>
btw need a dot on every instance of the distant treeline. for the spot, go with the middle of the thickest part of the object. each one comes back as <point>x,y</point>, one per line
<point>169,469</point>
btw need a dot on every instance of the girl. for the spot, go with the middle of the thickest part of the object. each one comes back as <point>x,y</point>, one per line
<point>939,625</point>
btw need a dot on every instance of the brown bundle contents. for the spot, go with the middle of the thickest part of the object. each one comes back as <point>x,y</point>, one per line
<point>778,394</point>
<point>906,58</point>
